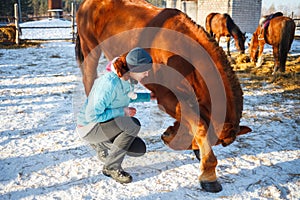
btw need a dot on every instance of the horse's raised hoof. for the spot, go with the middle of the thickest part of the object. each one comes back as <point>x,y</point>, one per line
<point>213,187</point>
<point>197,154</point>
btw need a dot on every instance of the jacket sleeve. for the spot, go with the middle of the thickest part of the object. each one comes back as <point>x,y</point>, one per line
<point>141,97</point>
<point>98,103</point>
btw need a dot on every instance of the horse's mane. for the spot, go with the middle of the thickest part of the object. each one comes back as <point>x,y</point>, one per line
<point>223,65</point>
<point>231,26</point>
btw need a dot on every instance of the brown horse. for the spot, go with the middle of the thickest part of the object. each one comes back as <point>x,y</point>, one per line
<point>218,25</point>
<point>279,32</point>
<point>191,77</point>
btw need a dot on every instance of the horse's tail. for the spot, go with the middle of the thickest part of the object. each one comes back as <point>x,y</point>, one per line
<point>287,37</point>
<point>78,52</point>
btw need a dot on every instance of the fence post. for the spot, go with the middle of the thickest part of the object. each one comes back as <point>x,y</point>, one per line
<point>17,23</point>
<point>73,21</point>
<point>20,11</point>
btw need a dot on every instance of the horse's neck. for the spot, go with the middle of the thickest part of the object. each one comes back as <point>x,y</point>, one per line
<point>231,81</point>
<point>260,34</point>
<point>257,40</point>
<point>235,31</point>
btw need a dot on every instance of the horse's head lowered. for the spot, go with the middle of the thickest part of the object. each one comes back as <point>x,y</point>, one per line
<point>253,47</point>
<point>240,43</point>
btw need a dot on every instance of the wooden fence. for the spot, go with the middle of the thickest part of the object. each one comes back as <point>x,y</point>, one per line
<point>18,27</point>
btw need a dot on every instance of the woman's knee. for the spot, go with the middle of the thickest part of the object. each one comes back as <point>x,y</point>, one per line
<point>130,125</point>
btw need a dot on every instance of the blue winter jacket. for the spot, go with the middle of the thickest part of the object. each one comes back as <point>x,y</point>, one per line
<point>107,99</point>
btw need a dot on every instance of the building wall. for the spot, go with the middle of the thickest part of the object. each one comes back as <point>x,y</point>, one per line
<point>206,6</point>
<point>189,7</point>
<point>245,13</point>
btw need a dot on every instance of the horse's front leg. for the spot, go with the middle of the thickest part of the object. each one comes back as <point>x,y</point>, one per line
<point>208,163</point>
<point>260,59</point>
<point>217,37</point>
<point>199,129</point>
<point>228,46</point>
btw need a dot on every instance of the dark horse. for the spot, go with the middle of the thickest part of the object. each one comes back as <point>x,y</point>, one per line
<point>218,25</point>
<point>191,77</point>
<point>278,32</point>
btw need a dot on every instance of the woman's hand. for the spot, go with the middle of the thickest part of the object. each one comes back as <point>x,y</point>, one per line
<point>129,111</point>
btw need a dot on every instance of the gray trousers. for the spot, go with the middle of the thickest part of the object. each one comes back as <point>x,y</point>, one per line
<point>118,135</point>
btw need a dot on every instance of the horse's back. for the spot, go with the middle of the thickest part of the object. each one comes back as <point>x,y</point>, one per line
<point>282,21</point>
<point>94,16</point>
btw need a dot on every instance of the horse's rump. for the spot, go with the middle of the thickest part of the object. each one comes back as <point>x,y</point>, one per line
<point>287,37</point>
<point>208,23</point>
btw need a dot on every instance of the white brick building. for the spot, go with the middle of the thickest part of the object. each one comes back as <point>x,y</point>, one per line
<point>245,13</point>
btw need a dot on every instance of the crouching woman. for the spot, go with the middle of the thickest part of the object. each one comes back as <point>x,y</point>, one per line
<point>107,122</point>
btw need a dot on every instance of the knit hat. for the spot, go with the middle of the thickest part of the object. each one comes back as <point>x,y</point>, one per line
<point>138,60</point>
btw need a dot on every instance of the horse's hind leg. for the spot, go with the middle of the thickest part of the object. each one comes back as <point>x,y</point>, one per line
<point>89,69</point>
<point>276,59</point>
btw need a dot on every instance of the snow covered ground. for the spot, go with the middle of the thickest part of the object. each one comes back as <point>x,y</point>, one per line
<point>42,157</point>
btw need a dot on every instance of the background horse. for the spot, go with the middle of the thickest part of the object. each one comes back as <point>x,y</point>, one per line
<point>186,60</point>
<point>218,25</point>
<point>280,34</point>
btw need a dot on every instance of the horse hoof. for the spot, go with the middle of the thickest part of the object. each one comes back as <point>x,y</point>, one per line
<point>213,187</point>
